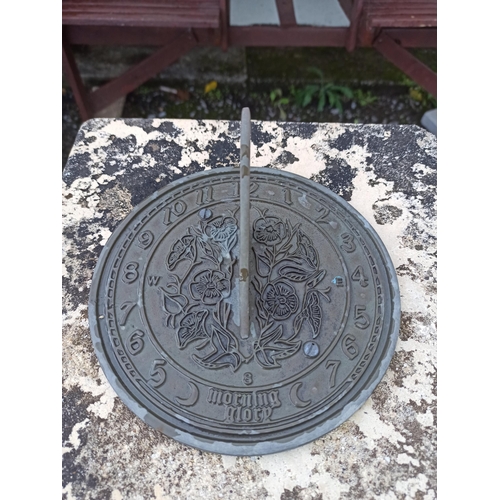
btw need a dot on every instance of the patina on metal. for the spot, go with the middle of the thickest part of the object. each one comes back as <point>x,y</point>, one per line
<point>244,312</point>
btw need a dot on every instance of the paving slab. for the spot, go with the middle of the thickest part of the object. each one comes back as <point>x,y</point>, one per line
<point>244,13</point>
<point>320,13</point>
<point>307,13</point>
<point>387,449</point>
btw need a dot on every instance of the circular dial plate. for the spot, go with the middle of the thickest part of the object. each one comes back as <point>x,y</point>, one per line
<point>324,312</point>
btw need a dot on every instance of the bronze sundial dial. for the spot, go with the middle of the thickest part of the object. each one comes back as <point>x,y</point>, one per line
<point>244,311</point>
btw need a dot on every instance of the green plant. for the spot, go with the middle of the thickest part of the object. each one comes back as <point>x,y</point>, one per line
<point>323,92</point>
<point>364,98</point>
<point>418,94</point>
<point>214,95</point>
<point>143,90</point>
<point>279,101</point>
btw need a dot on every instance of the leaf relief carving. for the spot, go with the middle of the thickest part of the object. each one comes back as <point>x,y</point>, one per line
<point>271,347</point>
<point>183,248</point>
<point>225,351</point>
<point>192,327</point>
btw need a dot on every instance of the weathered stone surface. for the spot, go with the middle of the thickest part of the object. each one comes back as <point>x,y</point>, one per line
<point>385,450</point>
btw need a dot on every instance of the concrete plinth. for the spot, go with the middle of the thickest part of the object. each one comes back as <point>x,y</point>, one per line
<point>387,449</point>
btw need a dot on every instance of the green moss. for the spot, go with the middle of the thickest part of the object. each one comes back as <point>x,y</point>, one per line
<point>364,65</point>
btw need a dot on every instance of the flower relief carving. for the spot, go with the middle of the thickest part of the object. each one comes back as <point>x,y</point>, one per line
<point>286,285</point>
<point>201,268</point>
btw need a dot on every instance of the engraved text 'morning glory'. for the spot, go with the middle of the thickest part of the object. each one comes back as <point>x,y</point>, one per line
<point>255,406</point>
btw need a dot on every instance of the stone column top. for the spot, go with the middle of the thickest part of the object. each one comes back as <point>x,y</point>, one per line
<point>387,449</point>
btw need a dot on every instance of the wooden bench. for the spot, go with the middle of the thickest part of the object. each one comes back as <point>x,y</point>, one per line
<point>394,26</point>
<point>176,27</point>
<point>390,26</point>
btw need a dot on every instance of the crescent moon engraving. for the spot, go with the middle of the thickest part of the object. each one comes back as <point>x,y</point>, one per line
<point>193,397</point>
<point>294,398</point>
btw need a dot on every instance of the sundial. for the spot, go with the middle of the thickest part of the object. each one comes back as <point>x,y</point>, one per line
<point>244,311</point>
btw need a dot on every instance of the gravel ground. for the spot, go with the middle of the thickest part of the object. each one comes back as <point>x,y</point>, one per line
<point>396,104</point>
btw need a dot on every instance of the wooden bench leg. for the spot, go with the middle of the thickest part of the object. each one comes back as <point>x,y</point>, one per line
<point>407,62</point>
<point>73,75</point>
<point>352,33</point>
<point>224,24</point>
<point>89,103</point>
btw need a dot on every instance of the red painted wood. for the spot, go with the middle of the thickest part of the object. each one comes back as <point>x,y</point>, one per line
<point>300,36</point>
<point>224,24</point>
<point>165,23</point>
<point>401,13</point>
<point>406,14</point>
<point>161,13</point>
<point>286,13</point>
<point>73,75</point>
<point>127,35</point>
<point>347,6</point>
<point>407,63</point>
<point>414,37</point>
<point>141,72</point>
<point>354,16</point>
